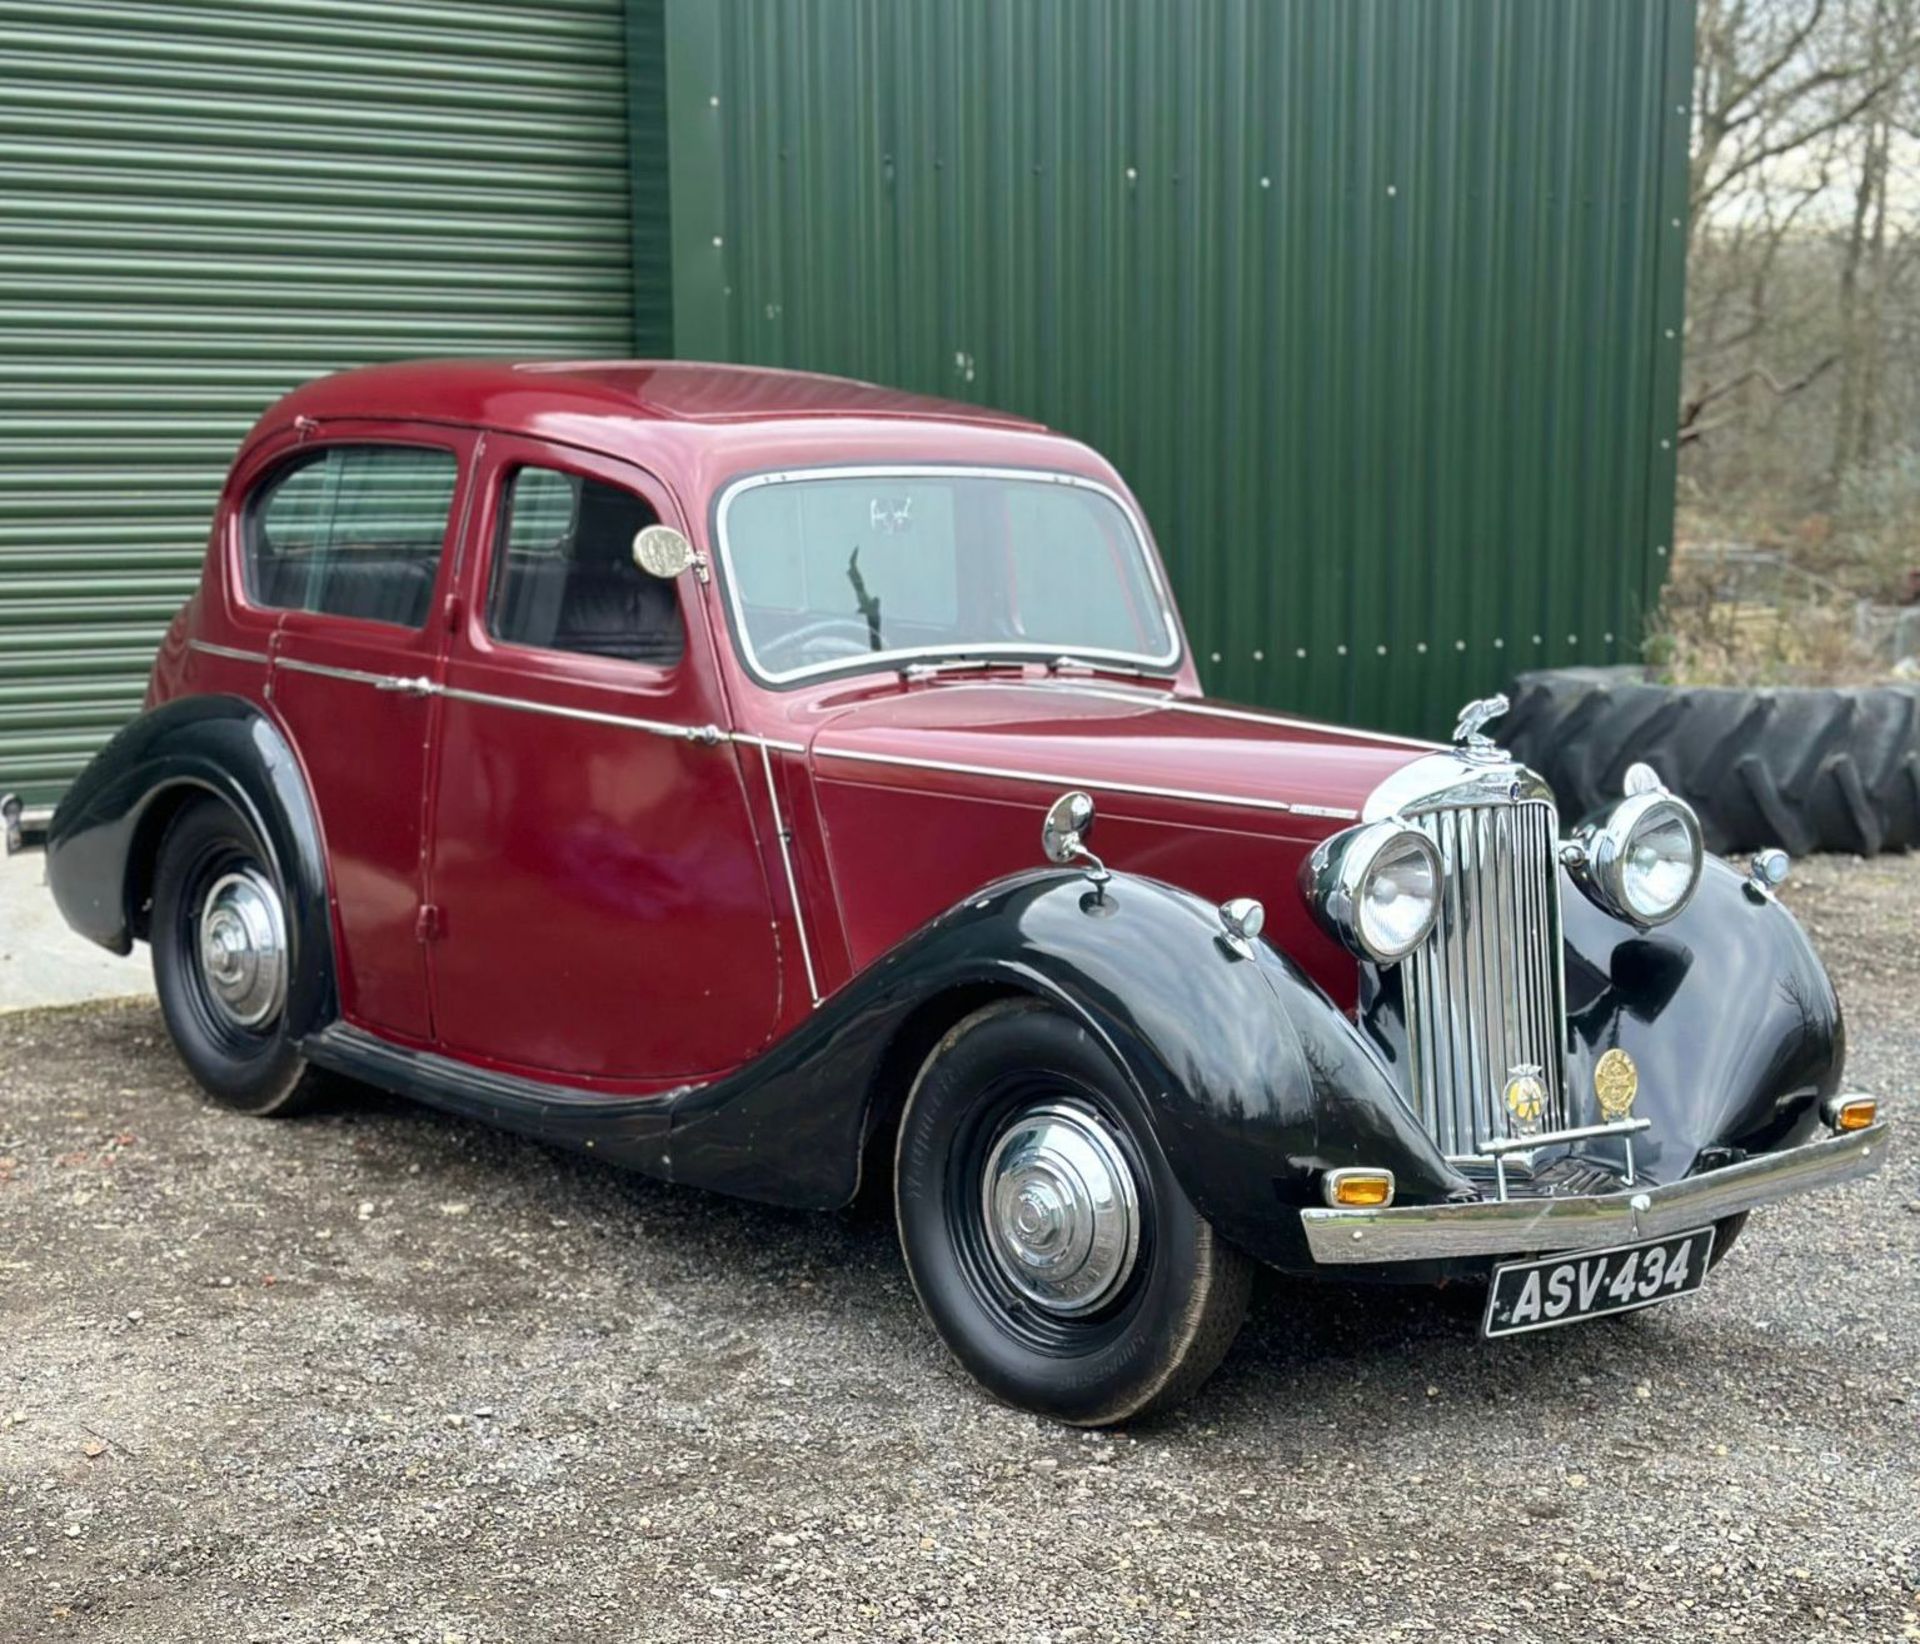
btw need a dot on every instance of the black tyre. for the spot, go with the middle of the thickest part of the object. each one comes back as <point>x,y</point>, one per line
<point>222,946</point>
<point>1044,1231</point>
<point>1807,769</point>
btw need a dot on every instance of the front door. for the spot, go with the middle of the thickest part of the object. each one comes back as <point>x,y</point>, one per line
<point>599,900</point>
<point>347,538</point>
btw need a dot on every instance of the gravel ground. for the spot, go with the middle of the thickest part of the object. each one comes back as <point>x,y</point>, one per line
<point>380,1374</point>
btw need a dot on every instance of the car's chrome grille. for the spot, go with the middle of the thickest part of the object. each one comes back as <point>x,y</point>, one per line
<point>1483,994</point>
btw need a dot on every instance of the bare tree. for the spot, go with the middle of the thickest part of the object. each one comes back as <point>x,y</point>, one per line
<point>1802,242</point>
<point>1776,78</point>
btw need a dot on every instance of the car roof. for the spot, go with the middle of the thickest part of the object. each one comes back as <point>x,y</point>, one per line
<point>683,391</point>
<point>707,420</point>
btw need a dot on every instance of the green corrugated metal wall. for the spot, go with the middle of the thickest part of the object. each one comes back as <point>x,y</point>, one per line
<point>1376,302</point>
<point>205,202</point>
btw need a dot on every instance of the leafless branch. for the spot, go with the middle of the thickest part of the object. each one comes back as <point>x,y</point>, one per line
<point>1692,428</point>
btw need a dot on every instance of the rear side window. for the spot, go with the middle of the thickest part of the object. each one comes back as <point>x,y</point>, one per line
<point>351,530</point>
<point>564,577</point>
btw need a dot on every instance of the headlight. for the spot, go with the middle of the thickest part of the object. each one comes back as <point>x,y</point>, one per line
<point>1376,888</point>
<point>1641,860</point>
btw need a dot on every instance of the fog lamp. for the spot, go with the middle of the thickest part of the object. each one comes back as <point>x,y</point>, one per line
<point>1850,1112</point>
<point>1357,1189</point>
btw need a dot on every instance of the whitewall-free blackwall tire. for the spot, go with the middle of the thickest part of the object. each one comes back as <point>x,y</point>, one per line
<point>222,945</point>
<point>1043,1229</point>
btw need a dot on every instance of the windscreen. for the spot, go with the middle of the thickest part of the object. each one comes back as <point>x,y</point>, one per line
<point>837,571</point>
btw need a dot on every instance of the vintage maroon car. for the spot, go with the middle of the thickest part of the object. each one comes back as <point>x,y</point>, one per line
<point>699,765</point>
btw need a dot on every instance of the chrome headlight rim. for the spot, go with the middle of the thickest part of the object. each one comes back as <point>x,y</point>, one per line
<point>1336,877</point>
<point>1600,863</point>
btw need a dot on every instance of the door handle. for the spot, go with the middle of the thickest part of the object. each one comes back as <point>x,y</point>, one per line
<point>418,685</point>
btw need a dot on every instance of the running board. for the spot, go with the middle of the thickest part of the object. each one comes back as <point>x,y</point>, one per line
<point>788,1127</point>
<point>632,1131</point>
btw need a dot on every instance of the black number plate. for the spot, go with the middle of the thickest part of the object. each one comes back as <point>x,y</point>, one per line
<point>1584,1284</point>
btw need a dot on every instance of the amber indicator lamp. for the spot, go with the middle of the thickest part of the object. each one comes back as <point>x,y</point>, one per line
<point>1854,1113</point>
<point>1358,1189</point>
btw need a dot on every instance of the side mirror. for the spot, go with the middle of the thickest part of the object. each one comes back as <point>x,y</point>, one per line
<point>1064,833</point>
<point>662,552</point>
<point>1063,837</point>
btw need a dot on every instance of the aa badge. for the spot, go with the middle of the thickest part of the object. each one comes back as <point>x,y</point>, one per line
<point>1526,1098</point>
<point>1616,1081</point>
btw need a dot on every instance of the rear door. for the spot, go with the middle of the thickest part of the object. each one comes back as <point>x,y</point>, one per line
<point>350,537</point>
<point>600,899</point>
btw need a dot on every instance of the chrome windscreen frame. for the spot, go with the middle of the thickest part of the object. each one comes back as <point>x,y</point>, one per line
<point>1166,661</point>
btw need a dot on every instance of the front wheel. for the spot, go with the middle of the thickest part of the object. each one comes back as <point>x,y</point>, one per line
<point>1044,1231</point>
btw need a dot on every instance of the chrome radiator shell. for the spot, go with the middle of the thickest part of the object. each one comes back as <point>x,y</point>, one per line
<point>1485,994</point>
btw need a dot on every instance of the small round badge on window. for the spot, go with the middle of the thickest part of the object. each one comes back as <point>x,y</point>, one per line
<point>661,551</point>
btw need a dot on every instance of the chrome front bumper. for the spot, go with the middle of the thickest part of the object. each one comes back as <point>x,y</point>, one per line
<point>1441,1232</point>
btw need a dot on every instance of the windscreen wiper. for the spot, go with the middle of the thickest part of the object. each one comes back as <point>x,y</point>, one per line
<point>960,664</point>
<point>868,604</point>
<point>1080,664</point>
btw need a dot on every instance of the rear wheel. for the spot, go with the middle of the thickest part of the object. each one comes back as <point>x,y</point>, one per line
<point>1044,1231</point>
<point>222,946</point>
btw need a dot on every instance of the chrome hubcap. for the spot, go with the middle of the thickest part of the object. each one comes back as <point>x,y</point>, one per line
<point>1061,1208</point>
<point>243,948</point>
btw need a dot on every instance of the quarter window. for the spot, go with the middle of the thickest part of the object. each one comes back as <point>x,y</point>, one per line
<point>564,577</point>
<point>352,530</point>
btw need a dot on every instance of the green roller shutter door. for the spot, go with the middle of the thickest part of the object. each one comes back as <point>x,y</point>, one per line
<point>204,204</point>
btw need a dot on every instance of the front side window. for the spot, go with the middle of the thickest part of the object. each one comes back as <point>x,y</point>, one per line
<point>840,570</point>
<point>564,577</point>
<point>351,530</point>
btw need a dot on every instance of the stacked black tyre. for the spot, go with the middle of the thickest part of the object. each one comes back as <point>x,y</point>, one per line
<point>1805,768</point>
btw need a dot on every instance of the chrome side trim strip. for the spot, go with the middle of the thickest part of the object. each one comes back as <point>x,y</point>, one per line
<point>231,652</point>
<point>706,735</point>
<point>353,676</point>
<point>748,740</point>
<point>1144,789</point>
<point>1214,710</point>
<point>711,735</point>
<point>785,837</point>
<point>1142,697</point>
<point>1441,1232</point>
